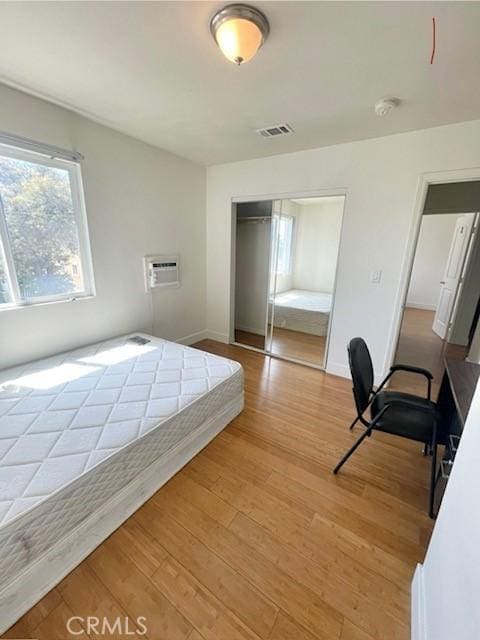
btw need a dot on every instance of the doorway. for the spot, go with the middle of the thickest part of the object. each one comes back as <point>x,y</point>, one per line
<point>285,264</point>
<point>444,287</point>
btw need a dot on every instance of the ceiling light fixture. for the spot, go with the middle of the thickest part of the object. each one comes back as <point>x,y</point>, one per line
<point>239,30</point>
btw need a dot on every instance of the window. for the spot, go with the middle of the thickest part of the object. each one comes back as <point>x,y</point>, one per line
<point>283,231</point>
<point>44,250</point>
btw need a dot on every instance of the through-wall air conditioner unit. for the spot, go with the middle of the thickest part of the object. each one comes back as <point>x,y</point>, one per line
<point>161,271</point>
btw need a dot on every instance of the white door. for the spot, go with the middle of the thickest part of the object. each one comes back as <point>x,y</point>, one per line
<point>453,273</point>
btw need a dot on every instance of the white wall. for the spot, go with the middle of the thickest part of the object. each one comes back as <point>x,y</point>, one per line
<point>450,577</point>
<point>139,200</point>
<point>316,246</point>
<point>434,240</point>
<point>381,178</point>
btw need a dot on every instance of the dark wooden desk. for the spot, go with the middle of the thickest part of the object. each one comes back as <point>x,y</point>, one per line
<point>462,377</point>
<point>454,399</point>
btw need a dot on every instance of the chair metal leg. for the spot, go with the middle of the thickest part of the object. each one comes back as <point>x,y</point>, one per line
<point>354,423</point>
<point>366,433</point>
<point>433,482</point>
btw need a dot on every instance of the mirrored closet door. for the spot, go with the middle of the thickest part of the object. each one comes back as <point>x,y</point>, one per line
<point>297,248</point>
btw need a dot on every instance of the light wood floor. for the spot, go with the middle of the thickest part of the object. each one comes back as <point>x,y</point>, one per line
<point>420,346</point>
<point>255,538</point>
<point>289,344</point>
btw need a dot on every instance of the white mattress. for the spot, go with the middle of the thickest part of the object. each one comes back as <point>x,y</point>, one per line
<point>302,310</point>
<point>76,428</point>
<point>301,299</point>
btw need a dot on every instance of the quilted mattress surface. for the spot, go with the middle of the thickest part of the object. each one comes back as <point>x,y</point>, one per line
<point>77,427</point>
<point>305,311</point>
<point>303,300</point>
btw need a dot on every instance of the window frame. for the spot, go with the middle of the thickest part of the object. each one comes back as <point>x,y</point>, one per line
<point>291,220</point>
<point>79,209</point>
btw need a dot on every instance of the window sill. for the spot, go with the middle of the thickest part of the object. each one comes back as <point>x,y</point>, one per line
<point>17,307</point>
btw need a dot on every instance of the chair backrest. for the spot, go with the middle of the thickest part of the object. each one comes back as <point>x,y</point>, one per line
<point>361,369</point>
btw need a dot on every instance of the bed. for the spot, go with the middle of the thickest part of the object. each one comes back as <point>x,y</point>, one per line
<point>302,310</point>
<point>85,438</point>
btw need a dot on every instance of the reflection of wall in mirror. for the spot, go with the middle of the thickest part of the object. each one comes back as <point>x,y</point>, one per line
<point>317,239</point>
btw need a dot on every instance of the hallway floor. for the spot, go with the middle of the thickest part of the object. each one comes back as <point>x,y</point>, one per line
<point>420,346</point>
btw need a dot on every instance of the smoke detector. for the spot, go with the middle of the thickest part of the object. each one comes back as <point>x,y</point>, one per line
<point>385,105</point>
<point>275,130</point>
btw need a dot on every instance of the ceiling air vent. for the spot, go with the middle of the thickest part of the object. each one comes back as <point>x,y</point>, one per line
<point>275,130</point>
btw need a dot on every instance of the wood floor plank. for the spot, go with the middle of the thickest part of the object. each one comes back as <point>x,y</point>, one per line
<point>234,466</point>
<point>295,527</point>
<point>87,596</point>
<point>352,632</point>
<point>368,581</point>
<point>206,500</point>
<point>205,612</point>
<point>136,593</point>
<point>324,494</point>
<point>365,470</point>
<point>139,545</point>
<point>30,621</point>
<point>374,457</point>
<point>286,628</point>
<point>334,591</point>
<point>395,507</point>
<point>227,585</point>
<point>283,461</point>
<point>204,477</point>
<point>360,551</point>
<point>263,507</point>
<point>321,619</point>
<point>57,625</point>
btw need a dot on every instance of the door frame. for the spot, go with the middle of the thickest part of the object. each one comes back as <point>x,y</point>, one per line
<point>288,195</point>
<point>423,182</point>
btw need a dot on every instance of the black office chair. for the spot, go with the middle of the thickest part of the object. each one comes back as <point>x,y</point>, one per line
<point>401,414</point>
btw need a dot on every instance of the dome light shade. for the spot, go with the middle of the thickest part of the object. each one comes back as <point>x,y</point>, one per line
<point>239,30</point>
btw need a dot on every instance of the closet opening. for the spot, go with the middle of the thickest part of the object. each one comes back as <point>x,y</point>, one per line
<point>285,262</point>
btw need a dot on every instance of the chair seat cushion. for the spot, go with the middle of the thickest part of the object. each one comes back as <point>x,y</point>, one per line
<point>411,421</point>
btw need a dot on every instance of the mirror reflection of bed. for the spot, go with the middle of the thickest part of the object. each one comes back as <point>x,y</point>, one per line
<point>300,324</point>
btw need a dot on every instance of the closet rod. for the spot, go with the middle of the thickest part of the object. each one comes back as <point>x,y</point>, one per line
<point>254,219</point>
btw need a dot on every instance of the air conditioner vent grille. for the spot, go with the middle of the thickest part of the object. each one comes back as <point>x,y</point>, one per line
<point>275,130</point>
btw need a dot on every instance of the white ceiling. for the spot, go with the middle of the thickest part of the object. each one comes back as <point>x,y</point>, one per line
<point>152,70</point>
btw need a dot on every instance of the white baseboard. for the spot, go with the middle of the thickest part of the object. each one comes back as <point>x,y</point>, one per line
<point>419,305</point>
<point>337,369</point>
<point>19,595</point>
<point>418,621</point>
<point>255,330</point>
<point>343,370</point>
<point>218,337</point>
<point>193,337</point>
